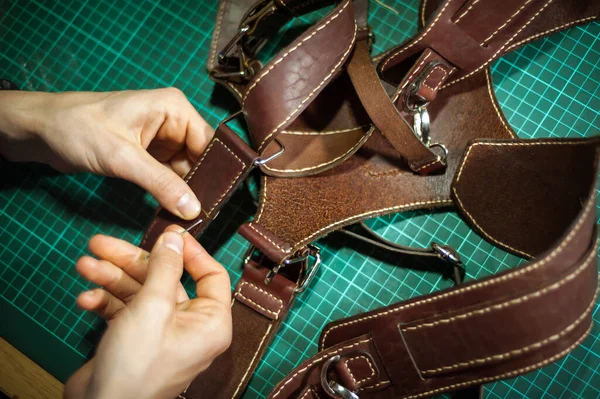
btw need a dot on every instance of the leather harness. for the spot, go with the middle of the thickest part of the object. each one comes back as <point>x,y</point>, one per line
<point>340,137</point>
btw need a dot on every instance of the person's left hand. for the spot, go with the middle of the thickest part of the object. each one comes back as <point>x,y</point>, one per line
<point>149,137</point>
<point>157,339</point>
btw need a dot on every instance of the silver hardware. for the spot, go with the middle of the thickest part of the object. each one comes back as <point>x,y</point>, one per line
<point>232,43</point>
<point>447,253</point>
<point>333,388</point>
<point>412,89</point>
<point>422,125</point>
<point>309,273</point>
<point>262,161</point>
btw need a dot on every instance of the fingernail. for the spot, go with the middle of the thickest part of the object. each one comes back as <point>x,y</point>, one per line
<point>173,241</point>
<point>188,206</point>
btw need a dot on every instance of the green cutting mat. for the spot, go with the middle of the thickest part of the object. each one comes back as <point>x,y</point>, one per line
<point>549,88</point>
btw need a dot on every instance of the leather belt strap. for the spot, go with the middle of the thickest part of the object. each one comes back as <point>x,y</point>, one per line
<point>385,116</point>
<point>233,159</point>
<point>491,329</point>
<point>258,309</point>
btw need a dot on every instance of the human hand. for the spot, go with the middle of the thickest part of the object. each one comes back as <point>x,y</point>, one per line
<point>157,339</point>
<point>149,137</point>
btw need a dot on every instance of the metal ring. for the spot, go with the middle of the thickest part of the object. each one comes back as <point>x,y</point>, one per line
<point>444,156</point>
<point>333,388</point>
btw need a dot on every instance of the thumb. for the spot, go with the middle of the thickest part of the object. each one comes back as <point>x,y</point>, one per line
<point>166,186</point>
<point>165,267</point>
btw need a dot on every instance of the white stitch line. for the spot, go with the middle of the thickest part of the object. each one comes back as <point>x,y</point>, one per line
<point>251,225</point>
<point>353,148</point>
<point>501,48</point>
<point>234,180</point>
<point>506,304</point>
<point>217,34</point>
<point>397,207</point>
<point>262,291</point>
<point>232,86</point>
<point>506,277</point>
<point>567,25</point>
<point>322,133</point>
<point>274,64</point>
<point>374,385</point>
<point>318,359</point>
<point>252,361</point>
<point>486,41</point>
<point>461,16</point>
<point>437,68</point>
<point>263,198</point>
<point>495,104</point>
<point>517,352</point>
<point>238,293</point>
<point>419,39</point>
<point>312,93</point>
<point>508,374</point>
<point>352,375</point>
<point>423,5</point>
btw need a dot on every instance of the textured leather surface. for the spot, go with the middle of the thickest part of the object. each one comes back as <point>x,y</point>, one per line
<point>232,159</point>
<point>448,340</point>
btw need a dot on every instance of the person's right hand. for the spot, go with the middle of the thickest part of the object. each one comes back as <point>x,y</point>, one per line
<point>157,339</point>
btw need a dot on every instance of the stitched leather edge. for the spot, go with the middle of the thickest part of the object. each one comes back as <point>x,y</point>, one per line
<point>490,37</point>
<point>529,268</point>
<point>358,382</point>
<point>252,361</point>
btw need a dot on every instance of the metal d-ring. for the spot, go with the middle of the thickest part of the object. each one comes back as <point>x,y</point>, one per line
<point>262,161</point>
<point>335,389</point>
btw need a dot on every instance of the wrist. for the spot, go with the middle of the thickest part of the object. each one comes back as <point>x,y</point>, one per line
<point>21,114</point>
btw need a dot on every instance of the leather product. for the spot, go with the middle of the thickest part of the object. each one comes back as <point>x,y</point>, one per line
<point>346,126</point>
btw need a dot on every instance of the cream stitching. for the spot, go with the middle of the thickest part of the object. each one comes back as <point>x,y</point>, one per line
<point>217,34</point>
<point>420,168</point>
<point>506,304</point>
<point>567,25</point>
<point>444,71</point>
<point>252,361</point>
<point>263,199</point>
<point>495,104</point>
<point>423,6</point>
<point>274,64</point>
<point>318,359</point>
<point>370,367</point>
<point>468,214</point>
<point>505,375</point>
<point>232,86</point>
<point>461,16</point>
<point>276,314</point>
<point>310,96</point>
<point>407,80</point>
<point>353,148</point>
<point>419,39</point>
<point>501,48</point>
<point>374,385</point>
<point>486,41</point>
<point>517,352</point>
<point>486,283</point>
<point>397,207</point>
<point>322,133</point>
<point>234,180</point>
<point>251,225</point>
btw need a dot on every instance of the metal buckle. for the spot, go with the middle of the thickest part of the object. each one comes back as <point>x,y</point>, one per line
<point>418,109</point>
<point>238,46</point>
<point>257,161</point>
<point>309,273</point>
<point>333,388</point>
<point>449,254</point>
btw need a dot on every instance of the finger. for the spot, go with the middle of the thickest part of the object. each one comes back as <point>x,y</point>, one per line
<point>212,280</point>
<point>181,163</point>
<point>199,133</point>
<point>101,302</point>
<point>165,268</point>
<point>133,260</point>
<point>77,384</point>
<point>109,276</point>
<point>138,166</point>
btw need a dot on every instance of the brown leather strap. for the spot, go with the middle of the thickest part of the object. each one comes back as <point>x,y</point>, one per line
<point>257,309</point>
<point>386,117</point>
<point>495,328</point>
<point>232,160</point>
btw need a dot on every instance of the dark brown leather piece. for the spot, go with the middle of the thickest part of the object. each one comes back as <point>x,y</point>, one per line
<point>386,117</point>
<point>299,74</point>
<point>229,155</point>
<point>376,181</point>
<point>268,243</point>
<point>434,344</point>
<point>257,310</point>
